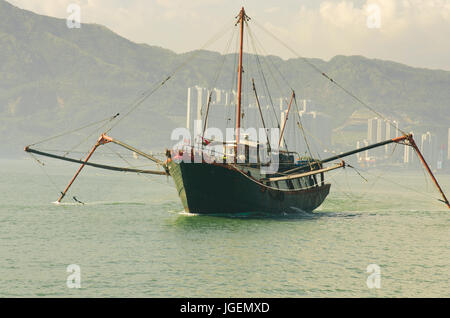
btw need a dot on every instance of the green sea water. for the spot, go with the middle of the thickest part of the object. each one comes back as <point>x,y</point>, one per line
<point>131,239</point>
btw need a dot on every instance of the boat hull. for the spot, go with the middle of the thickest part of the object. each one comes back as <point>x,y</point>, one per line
<point>220,189</point>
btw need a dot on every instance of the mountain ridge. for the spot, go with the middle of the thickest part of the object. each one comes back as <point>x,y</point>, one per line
<point>53,77</point>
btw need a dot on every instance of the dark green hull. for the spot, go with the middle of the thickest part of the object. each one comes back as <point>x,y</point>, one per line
<point>220,189</point>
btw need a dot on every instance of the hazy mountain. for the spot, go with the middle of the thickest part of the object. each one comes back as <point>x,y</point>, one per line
<point>53,78</point>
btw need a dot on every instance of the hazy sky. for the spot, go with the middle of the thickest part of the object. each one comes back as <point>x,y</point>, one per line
<point>414,32</point>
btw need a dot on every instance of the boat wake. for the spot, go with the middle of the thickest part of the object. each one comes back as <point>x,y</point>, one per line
<point>184,213</point>
<point>97,203</point>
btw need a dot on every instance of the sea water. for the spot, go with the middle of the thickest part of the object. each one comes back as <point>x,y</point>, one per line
<point>131,238</point>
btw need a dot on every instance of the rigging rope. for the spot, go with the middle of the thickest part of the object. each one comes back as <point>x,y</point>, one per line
<point>381,177</point>
<point>42,166</point>
<point>109,118</point>
<point>215,81</point>
<point>151,91</point>
<point>303,132</point>
<point>329,78</point>
<point>139,100</point>
<point>255,43</point>
<point>264,80</point>
<point>299,124</point>
<point>89,136</point>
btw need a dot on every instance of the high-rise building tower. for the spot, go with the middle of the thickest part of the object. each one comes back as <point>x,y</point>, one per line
<point>381,132</point>
<point>362,156</point>
<point>391,132</point>
<point>429,148</point>
<point>408,154</point>
<point>372,130</point>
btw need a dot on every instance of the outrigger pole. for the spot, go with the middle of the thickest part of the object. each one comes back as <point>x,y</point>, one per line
<point>402,139</point>
<point>413,144</point>
<point>407,140</point>
<point>378,144</point>
<point>104,139</point>
<point>100,141</point>
<point>95,165</point>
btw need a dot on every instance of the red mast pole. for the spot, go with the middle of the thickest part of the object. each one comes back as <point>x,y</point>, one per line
<point>101,141</point>
<point>239,97</point>
<point>413,144</point>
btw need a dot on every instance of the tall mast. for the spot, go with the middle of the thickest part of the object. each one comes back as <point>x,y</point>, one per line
<point>241,20</point>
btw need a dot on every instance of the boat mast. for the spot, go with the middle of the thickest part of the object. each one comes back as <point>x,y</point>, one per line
<point>242,17</point>
<point>285,120</point>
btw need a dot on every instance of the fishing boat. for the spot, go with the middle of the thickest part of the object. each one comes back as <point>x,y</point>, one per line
<point>241,175</point>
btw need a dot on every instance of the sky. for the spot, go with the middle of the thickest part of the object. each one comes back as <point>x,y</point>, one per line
<point>413,32</point>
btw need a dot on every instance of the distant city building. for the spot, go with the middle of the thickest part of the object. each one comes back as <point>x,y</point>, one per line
<point>220,111</point>
<point>440,158</point>
<point>428,147</point>
<point>319,126</point>
<point>381,132</point>
<point>316,125</point>
<point>408,155</point>
<point>281,103</point>
<point>306,105</point>
<point>372,130</point>
<point>197,97</point>
<point>362,156</point>
<point>434,146</point>
<point>392,131</point>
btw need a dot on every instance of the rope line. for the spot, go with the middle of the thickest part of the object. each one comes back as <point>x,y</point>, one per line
<point>151,91</point>
<point>109,118</point>
<point>42,166</point>
<point>218,72</point>
<point>329,78</point>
